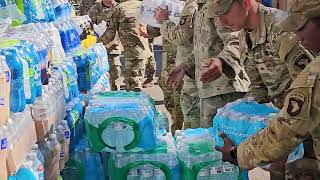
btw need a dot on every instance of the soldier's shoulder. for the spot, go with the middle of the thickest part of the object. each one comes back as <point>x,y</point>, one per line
<point>273,18</point>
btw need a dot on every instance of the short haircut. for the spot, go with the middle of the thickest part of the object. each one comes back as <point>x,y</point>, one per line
<point>316,20</point>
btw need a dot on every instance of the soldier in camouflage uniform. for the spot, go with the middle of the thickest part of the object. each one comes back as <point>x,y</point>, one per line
<point>298,121</point>
<point>270,56</point>
<point>84,6</point>
<point>180,36</point>
<point>98,13</point>
<point>122,18</point>
<point>151,62</point>
<point>171,95</point>
<point>217,55</point>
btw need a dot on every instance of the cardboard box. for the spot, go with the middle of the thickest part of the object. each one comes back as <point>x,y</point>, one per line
<point>20,149</point>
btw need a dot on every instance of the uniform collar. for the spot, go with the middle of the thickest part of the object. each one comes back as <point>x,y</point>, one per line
<point>201,1</point>
<point>114,4</point>
<point>261,30</point>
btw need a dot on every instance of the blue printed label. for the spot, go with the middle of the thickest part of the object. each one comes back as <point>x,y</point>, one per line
<point>67,134</point>
<point>4,143</point>
<point>7,73</point>
<point>61,154</point>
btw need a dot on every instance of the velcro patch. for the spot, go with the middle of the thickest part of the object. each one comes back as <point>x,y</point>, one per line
<point>296,102</point>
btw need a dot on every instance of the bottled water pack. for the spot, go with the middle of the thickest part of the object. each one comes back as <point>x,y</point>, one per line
<point>5,78</point>
<point>160,163</point>
<point>147,9</point>
<point>121,121</point>
<point>243,118</point>
<point>199,159</point>
<point>83,163</point>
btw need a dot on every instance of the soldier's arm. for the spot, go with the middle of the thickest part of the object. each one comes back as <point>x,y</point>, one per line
<point>185,56</point>
<point>293,54</point>
<point>153,32</point>
<point>288,129</point>
<point>93,14</point>
<point>231,52</point>
<point>111,32</point>
<point>178,34</point>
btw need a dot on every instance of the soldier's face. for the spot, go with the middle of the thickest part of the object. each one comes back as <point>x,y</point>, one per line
<point>236,18</point>
<point>309,35</point>
<point>108,2</point>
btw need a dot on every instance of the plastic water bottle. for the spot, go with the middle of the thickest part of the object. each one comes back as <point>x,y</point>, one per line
<point>36,150</point>
<point>159,174</point>
<point>48,10</point>
<point>34,56</point>
<point>53,160</point>
<point>94,169</point>
<point>67,133</point>
<point>36,165</point>
<point>26,58</point>
<point>133,175</point>
<point>203,174</point>
<point>61,139</point>
<point>5,78</point>
<point>146,173</point>
<point>17,92</point>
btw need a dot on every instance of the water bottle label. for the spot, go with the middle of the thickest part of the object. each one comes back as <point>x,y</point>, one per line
<point>228,168</point>
<point>26,78</point>
<point>75,116</point>
<point>133,173</point>
<point>62,154</point>
<point>7,74</point>
<point>4,143</point>
<point>67,134</point>
<point>65,84</point>
<point>216,170</point>
<point>203,172</point>
<point>2,92</point>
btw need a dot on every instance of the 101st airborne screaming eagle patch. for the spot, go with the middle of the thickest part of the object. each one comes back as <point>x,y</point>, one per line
<point>296,102</point>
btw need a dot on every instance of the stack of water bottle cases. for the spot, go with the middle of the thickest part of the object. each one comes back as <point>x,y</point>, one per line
<point>49,63</point>
<point>128,126</point>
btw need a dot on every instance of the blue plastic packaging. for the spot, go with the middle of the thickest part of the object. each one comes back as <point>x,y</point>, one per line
<point>17,94</point>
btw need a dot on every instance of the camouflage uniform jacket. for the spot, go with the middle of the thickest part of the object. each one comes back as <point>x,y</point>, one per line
<point>122,18</point>
<point>99,13</point>
<point>181,35</point>
<point>85,5</point>
<point>269,53</point>
<point>212,42</point>
<point>297,121</point>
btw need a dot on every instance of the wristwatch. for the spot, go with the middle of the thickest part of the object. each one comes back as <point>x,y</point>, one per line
<point>233,154</point>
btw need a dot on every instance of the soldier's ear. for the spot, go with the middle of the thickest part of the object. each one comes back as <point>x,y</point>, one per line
<point>246,4</point>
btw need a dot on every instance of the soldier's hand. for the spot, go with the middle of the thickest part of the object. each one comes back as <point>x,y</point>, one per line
<point>143,31</point>
<point>176,75</point>
<point>100,29</point>
<point>227,150</point>
<point>211,70</point>
<point>161,14</point>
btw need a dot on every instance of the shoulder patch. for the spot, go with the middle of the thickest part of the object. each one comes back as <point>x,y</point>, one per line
<point>183,20</point>
<point>296,102</point>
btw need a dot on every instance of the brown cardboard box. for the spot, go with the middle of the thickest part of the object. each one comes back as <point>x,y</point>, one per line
<point>20,149</point>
